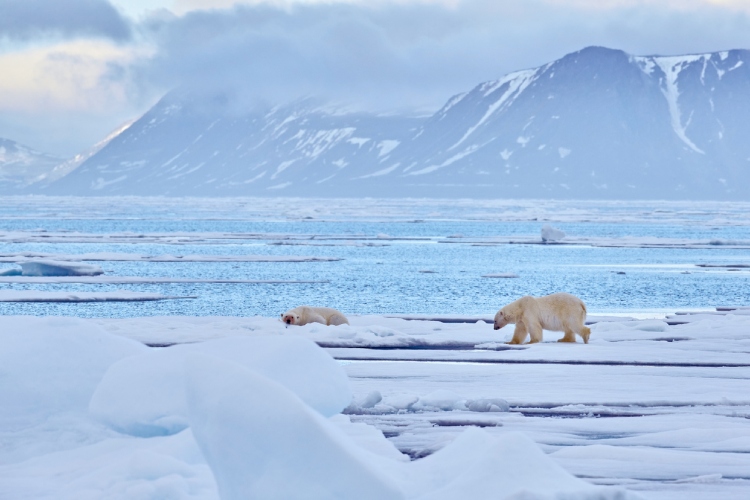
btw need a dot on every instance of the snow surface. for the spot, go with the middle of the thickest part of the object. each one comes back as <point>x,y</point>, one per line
<point>145,395</point>
<point>249,435</point>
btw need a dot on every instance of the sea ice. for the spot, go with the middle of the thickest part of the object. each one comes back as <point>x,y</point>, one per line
<point>262,441</point>
<point>46,296</point>
<point>55,268</point>
<point>50,366</point>
<point>550,233</point>
<point>145,395</point>
<point>441,400</point>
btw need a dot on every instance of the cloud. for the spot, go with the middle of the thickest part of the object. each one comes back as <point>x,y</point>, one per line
<point>30,19</point>
<point>391,55</point>
<point>65,97</point>
<point>380,55</point>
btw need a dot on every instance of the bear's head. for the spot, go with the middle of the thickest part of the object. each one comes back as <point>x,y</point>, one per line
<point>290,318</point>
<point>500,320</point>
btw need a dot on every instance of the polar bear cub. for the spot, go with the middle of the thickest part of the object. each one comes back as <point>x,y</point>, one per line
<point>559,312</point>
<point>303,315</point>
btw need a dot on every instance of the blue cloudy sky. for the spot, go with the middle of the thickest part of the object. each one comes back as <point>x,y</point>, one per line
<point>73,70</point>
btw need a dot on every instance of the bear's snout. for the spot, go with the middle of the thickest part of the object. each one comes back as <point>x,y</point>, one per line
<point>496,327</point>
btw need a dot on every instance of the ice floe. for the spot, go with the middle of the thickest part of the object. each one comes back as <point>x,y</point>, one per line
<point>246,417</point>
<point>551,234</point>
<point>45,266</point>
<point>132,280</point>
<point>47,296</point>
<point>52,268</point>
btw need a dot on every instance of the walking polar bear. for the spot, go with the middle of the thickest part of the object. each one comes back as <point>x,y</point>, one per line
<point>559,312</point>
<point>303,315</point>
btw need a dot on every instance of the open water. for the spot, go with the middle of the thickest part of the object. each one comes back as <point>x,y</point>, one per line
<point>410,257</point>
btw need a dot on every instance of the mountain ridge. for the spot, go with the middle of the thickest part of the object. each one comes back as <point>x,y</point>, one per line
<point>596,123</point>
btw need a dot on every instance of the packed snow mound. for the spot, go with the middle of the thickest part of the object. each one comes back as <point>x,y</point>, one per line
<point>510,465</point>
<point>52,365</point>
<point>550,233</point>
<point>55,268</point>
<point>145,395</point>
<point>262,441</point>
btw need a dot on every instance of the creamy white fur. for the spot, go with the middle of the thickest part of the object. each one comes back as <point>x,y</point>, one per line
<point>559,312</point>
<point>303,315</point>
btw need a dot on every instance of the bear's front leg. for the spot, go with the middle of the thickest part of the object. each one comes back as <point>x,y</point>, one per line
<point>519,334</point>
<point>535,332</point>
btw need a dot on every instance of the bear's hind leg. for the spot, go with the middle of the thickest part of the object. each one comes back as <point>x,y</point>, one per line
<point>337,319</point>
<point>568,337</point>
<point>316,318</point>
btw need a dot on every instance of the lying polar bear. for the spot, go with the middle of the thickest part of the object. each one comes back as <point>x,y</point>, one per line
<point>559,312</point>
<point>303,315</point>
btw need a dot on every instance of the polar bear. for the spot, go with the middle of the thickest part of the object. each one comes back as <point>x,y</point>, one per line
<point>559,312</point>
<point>303,315</point>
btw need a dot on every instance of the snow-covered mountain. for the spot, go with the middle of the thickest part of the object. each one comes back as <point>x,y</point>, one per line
<point>598,123</point>
<point>21,166</point>
<point>191,144</point>
<point>64,168</point>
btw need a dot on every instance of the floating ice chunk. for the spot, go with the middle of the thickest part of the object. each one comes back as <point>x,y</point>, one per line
<point>441,399</point>
<point>651,326</point>
<point>145,395</point>
<point>55,268</point>
<point>550,233</point>
<point>368,404</point>
<point>262,441</point>
<point>402,401</point>
<point>492,404</point>
<point>10,272</point>
<point>53,365</point>
<point>371,400</point>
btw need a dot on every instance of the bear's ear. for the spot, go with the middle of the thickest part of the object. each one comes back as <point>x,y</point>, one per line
<point>501,314</point>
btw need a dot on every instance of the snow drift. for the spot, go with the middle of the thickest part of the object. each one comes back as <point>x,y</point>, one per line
<point>145,395</point>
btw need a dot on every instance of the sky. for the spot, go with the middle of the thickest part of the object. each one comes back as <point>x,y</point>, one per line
<point>71,71</point>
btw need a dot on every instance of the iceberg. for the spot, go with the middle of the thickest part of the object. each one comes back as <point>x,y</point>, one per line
<point>55,268</point>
